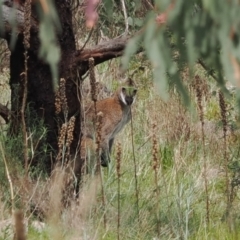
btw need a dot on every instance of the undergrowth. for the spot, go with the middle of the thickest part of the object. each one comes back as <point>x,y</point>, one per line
<point>172,208</point>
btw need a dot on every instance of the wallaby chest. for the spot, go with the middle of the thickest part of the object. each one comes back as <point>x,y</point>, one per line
<point>126,115</point>
<point>115,115</point>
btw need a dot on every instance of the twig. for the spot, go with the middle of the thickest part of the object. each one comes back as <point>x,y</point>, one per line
<point>26,34</point>
<point>24,127</point>
<point>17,215</point>
<point>33,148</point>
<point>93,84</point>
<point>98,128</point>
<point>149,4</point>
<point>125,17</point>
<point>118,158</point>
<point>44,5</point>
<point>8,177</point>
<point>88,38</point>
<point>223,108</point>
<point>99,172</point>
<point>156,169</point>
<point>81,120</point>
<point>135,171</point>
<point>207,70</point>
<point>201,116</point>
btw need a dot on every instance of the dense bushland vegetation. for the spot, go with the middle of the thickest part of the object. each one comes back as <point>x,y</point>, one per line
<point>175,168</point>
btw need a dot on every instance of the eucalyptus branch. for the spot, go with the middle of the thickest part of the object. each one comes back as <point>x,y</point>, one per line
<point>125,17</point>
<point>204,66</point>
<point>149,4</point>
<point>88,38</point>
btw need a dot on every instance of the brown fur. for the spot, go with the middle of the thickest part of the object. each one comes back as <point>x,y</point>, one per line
<point>116,114</point>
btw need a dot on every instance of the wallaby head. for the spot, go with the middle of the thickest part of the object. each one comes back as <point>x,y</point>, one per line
<point>127,93</point>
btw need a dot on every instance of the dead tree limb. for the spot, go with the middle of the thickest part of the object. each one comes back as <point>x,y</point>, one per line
<point>102,52</point>
<point>18,20</point>
<point>4,112</point>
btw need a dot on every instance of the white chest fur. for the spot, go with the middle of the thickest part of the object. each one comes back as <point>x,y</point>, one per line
<point>126,116</point>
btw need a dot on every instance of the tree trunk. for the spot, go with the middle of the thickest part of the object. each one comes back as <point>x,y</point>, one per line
<point>41,97</point>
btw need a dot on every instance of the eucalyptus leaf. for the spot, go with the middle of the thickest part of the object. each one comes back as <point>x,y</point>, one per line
<point>108,4</point>
<point>132,47</point>
<point>13,23</point>
<point>193,30</point>
<point>130,21</point>
<point>49,49</point>
<point>138,22</point>
<point>150,32</point>
<point>159,68</point>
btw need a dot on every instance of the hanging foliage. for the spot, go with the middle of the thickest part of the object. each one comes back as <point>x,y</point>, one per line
<point>182,33</point>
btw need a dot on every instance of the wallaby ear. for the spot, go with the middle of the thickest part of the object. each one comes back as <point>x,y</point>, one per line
<point>130,82</point>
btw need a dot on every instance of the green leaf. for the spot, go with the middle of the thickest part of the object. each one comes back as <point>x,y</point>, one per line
<point>132,47</point>
<point>108,4</point>
<point>151,30</point>
<point>138,22</point>
<point>159,68</point>
<point>13,23</point>
<point>130,21</point>
<point>49,50</point>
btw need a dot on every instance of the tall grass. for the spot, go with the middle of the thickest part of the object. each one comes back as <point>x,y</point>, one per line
<point>172,202</point>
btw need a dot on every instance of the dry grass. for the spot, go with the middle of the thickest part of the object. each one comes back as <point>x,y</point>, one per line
<point>176,211</point>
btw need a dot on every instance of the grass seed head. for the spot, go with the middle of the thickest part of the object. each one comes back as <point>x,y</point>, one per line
<point>118,158</point>
<point>70,129</point>
<point>62,91</point>
<point>154,147</point>
<point>223,108</point>
<point>62,135</point>
<point>199,97</point>
<point>92,80</point>
<point>57,102</point>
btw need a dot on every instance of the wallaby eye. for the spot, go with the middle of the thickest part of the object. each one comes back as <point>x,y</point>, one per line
<point>123,89</point>
<point>134,91</point>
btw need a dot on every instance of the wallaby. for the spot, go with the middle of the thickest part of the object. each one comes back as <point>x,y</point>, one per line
<point>116,113</point>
